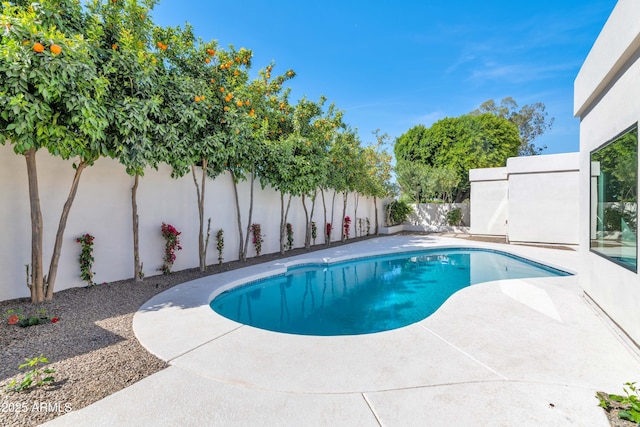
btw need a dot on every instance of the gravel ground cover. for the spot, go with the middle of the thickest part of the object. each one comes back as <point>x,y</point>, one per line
<point>92,348</point>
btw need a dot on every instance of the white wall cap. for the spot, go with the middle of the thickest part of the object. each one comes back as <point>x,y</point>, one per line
<point>618,41</point>
<point>488,174</point>
<point>544,163</point>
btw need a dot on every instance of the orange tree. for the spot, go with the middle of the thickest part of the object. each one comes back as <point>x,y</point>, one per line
<point>133,96</point>
<point>197,115</point>
<point>246,112</point>
<point>345,155</point>
<point>311,160</point>
<point>277,168</point>
<point>376,180</point>
<point>50,97</point>
<point>329,128</point>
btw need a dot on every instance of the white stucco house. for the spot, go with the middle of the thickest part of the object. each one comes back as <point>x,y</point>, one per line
<point>607,102</point>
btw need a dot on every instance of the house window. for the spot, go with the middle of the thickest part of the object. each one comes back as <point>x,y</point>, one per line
<point>614,199</point>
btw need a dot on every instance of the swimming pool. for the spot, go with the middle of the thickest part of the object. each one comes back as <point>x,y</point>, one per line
<point>368,295</point>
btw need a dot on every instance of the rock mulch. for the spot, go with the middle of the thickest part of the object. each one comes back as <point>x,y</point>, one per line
<point>92,348</point>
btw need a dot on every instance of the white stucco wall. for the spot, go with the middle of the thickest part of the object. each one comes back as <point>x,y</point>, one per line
<point>103,208</point>
<point>607,101</point>
<point>434,215</point>
<point>489,200</point>
<point>532,199</point>
<point>543,198</point>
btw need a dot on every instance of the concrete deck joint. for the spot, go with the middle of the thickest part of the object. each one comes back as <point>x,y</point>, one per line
<point>449,343</point>
<point>373,411</point>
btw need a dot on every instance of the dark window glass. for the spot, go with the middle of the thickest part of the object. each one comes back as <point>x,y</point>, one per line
<point>614,199</point>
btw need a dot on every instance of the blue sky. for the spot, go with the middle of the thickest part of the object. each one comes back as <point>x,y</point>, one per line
<point>393,65</point>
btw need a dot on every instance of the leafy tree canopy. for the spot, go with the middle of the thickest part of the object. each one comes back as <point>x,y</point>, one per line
<point>460,144</point>
<point>532,121</point>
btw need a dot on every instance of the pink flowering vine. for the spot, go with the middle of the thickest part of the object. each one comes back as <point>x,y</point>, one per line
<point>172,244</point>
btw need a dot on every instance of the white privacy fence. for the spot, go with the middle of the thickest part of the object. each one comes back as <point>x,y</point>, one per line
<point>433,216</point>
<point>103,208</point>
<point>532,199</point>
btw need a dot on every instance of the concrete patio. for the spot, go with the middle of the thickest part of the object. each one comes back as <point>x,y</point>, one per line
<point>525,352</point>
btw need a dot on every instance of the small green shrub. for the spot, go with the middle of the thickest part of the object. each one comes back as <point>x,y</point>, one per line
<point>34,376</point>
<point>454,217</point>
<point>628,405</point>
<point>398,211</point>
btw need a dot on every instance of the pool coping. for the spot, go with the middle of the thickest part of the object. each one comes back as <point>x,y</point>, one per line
<point>249,376</point>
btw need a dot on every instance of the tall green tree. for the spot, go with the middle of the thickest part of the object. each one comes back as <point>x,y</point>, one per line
<point>197,109</point>
<point>51,97</point>
<point>245,146</point>
<point>378,169</point>
<point>532,121</point>
<point>463,143</point>
<point>133,95</point>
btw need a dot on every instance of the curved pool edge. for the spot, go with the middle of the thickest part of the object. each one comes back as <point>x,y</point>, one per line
<point>179,319</point>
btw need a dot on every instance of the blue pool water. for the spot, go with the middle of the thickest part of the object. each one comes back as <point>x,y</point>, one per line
<point>368,295</point>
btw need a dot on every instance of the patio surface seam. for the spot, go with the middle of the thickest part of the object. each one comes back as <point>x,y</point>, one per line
<point>465,353</point>
<point>373,411</point>
<point>203,344</point>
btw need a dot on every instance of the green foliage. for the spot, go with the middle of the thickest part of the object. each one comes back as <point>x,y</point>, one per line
<point>289,244</point>
<point>422,183</point>
<point>13,313</point>
<point>86,258</point>
<point>454,217</point>
<point>33,378</point>
<point>456,144</point>
<point>257,238</point>
<point>531,120</point>
<point>397,212</point>
<point>220,244</point>
<point>50,100</point>
<point>628,405</point>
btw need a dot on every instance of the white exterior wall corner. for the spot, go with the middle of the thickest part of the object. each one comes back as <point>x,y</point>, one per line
<point>607,94</point>
<point>489,200</point>
<point>544,198</point>
<point>102,207</point>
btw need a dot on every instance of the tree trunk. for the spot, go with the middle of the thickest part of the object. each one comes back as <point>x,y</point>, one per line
<point>37,281</point>
<point>246,241</point>
<point>324,205</point>
<point>57,247</point>
<point>344,213</point>
<point>313,207</point>
<point>333,205</point>
<point>282,223</point>
<point>283,220</point>
<point>200,194</point>
<point>137,268</point>
<point>355,214</point>
<point>375,206</point>
<point>286,213</point>
<point>307,228</point>
<point>239,218</point>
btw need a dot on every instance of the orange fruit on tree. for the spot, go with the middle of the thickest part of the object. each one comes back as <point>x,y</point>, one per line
<point>197,99</point>
<point>222,89</point>
<point>213,81</point>
<point>252,112</point>
<point>236,73</point>
<point>239,103</point>
<point>207,60</point>
<point>114,46</point>
<point>226,108</point>
<point>38,47</point>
